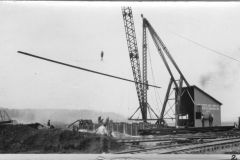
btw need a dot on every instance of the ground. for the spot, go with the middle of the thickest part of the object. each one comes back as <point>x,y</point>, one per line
<point>25,139</point>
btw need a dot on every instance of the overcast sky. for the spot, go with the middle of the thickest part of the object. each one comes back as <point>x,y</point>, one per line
<point>76,32</point>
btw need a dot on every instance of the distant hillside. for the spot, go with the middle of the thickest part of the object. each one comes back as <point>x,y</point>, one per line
<point>59,115</point>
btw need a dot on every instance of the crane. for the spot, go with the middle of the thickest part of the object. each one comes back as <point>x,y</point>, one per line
<point>175,83</point>
<point>178,83</point>
<point>141,83</point>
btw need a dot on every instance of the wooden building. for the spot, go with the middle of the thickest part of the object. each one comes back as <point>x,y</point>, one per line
<point>198,110</point>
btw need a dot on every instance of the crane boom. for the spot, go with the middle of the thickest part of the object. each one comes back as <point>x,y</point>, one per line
<point>162,49</point>
<point>141,84</point>
<point>134,55</point>
<point>144,70</point>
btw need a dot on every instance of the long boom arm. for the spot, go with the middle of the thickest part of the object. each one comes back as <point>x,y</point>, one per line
<point>164,53</point>
<point>134,56</point>
<point>159,44</point>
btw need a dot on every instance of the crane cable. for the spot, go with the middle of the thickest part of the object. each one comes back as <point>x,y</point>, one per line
<point>205,47</point>
<point>157,96</point>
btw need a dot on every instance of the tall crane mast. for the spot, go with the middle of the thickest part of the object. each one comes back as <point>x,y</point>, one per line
<point>144,68</point>
<point>134,56</point>
<point>140,83</point>
<point>178,83</point>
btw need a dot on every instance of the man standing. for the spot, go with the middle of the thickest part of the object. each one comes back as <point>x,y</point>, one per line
<point>102,54</point>
<point>49,124</point>
<point>202,118</point>
<point>210,119</point>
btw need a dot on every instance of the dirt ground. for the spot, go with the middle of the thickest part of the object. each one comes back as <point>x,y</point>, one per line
<point>25,139</point>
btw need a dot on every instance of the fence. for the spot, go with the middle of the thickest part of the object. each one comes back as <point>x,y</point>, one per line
<point>128,128</point>
<point>121,127</point>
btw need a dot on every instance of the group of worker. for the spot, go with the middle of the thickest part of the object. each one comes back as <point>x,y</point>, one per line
<point>210,120</point>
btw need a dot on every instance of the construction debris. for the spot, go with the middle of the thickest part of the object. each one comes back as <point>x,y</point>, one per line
<point>28,139</point>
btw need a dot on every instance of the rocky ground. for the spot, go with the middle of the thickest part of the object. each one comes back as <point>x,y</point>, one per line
<point>25,139</point>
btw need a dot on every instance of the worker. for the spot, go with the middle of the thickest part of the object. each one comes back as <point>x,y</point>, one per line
<point>202,118</point>
<point>102,54</point>
<point>210,119</point>
<point>49,124</point>
<point>235,125</point>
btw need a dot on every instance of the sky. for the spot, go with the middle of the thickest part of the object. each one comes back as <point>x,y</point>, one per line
<point>77,32</point>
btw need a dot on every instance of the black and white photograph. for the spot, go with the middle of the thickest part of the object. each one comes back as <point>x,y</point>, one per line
<point>119,80</point>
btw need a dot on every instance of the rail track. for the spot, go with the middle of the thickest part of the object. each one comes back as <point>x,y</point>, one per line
<point>208,144</point>
<point>179,137</point>
<point>206,147</point>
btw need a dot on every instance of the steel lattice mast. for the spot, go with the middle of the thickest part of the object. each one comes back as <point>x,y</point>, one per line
<point>144,69</point>
<point>141,84</point>
<point>178,84</point>
<point>134,56</point>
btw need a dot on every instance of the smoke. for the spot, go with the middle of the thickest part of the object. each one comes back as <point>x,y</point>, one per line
<point>204,80</point>
<point>225,75</point>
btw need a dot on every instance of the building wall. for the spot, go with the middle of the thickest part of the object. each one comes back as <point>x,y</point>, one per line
<point>208,106</point>
<point>186,108</point>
